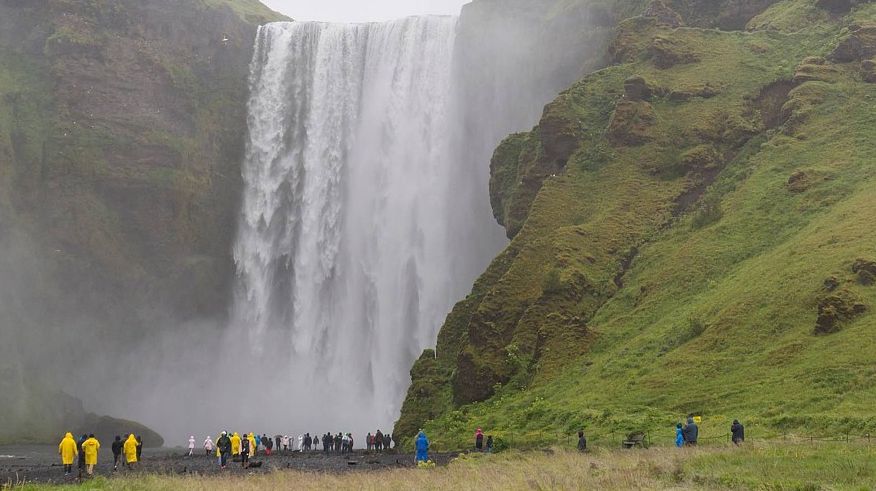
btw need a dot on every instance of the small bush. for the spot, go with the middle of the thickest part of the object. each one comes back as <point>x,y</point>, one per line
<point>552,282</point>
<point>707,213</point>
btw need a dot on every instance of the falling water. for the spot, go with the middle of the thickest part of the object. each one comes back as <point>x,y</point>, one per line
<point>343,250</point>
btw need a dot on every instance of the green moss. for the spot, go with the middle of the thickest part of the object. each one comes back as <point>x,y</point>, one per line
<point>683,274</point>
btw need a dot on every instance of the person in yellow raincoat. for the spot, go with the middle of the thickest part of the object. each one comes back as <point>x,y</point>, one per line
<point>235,444</point>
<point>131,449</point>
<point>252,444</point>
<point>67,449</point>
<point>90,446</point>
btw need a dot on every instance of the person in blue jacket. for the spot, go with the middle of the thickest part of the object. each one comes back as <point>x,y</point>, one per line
<point>679,436</point>
<point>422,447</point>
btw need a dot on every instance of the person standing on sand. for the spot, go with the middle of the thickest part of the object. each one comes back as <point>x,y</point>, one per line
<point>90,447</point>
<point>68,450</point>
<point>679,436</point>
<point>738,432</point>
<point>691,432</point>
<point>191,445</point>
<point>422,445</point>
<point>224,445</point>
<point>117,452</point>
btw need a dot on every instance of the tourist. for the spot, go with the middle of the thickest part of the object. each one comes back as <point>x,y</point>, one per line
<point>224,445</point>
<point>691,432</point>
<point>244,452</point>
<point>131,450</point>
<point>738,432</point>
<point>253,448</point>
<point>191,445</point>
<point>139,448</point>
<point>378,441</point>
<point>269,444</point>
<point>422,445</point>
<point>81,454</point>
<point>235,444</point>
<point>277,439</point>
<point>479,440</point>
<point>68,449</point>
<point>679,436</point>
<point>582,442</point>
<point>369,441</point>
<point>117,452</point>
<point>387,441</point>
<point>208,445</point>
<point>490,443</point>
<point>90,448</point>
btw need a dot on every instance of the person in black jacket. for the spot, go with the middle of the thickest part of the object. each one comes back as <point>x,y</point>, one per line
<point>737,431</point>
<point>117,452</point>
<point>81,454</point>
<point>224,445</point>
<point>139,448</point>
<point>582,442</point>
<point>690,432</point>
<point>244,452</point>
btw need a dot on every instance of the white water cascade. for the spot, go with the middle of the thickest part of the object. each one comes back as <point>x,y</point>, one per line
<point>344,250</point>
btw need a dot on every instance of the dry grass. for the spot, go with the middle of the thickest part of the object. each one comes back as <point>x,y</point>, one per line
<point>759,466</point>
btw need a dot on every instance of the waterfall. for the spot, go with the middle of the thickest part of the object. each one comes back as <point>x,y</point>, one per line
<point>344,255</point>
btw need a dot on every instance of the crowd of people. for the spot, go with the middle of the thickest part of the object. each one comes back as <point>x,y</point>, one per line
<point>87,448</point>
<point>231,445</point>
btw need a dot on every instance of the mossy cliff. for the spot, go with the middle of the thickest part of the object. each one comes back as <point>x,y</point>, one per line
<point>691,234</point>
<point>121,135</point>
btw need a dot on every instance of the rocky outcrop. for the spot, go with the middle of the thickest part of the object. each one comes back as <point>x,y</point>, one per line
<point>631,123</point>
<point>858,44</point>
<point>836,309</point>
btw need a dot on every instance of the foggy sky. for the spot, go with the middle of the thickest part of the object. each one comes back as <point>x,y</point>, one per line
<point>361,10</point>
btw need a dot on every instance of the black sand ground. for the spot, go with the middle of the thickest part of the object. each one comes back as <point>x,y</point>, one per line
<point>41,463</point>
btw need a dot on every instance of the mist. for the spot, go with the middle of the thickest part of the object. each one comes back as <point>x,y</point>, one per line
<point>365,215</point>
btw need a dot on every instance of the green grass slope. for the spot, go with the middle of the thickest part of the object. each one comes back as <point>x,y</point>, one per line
<point>706,246</point>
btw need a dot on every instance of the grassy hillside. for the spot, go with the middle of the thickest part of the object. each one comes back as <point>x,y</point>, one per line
<point>695,237</point>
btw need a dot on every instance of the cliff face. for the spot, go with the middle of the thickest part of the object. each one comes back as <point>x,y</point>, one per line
<point>683,240</point>
<point>121,133</point>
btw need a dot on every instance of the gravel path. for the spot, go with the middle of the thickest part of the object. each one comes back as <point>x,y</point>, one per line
<point>41,464</point>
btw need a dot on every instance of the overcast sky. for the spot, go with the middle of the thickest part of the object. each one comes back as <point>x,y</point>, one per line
<point>362,10</point>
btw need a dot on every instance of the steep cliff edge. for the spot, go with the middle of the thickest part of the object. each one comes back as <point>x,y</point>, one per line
<point>689,232</point>
<point>121,134</point>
